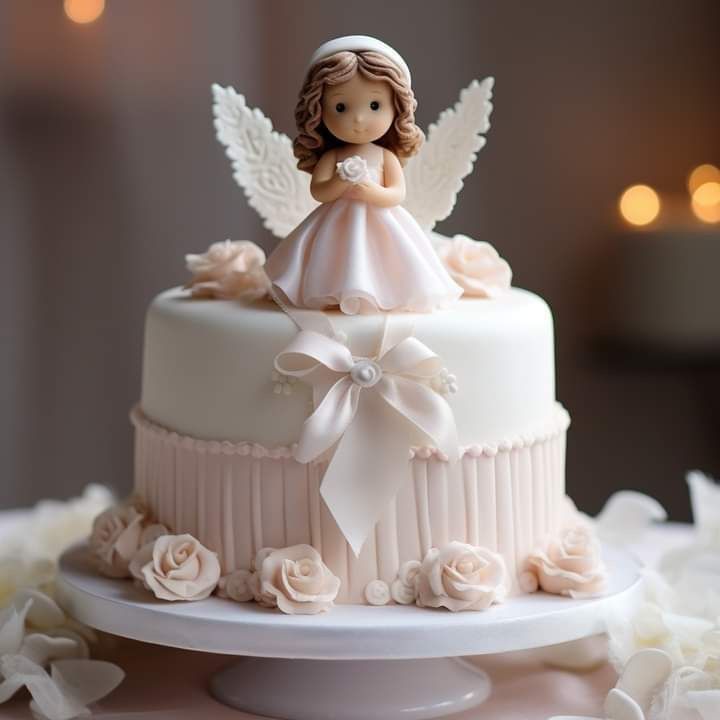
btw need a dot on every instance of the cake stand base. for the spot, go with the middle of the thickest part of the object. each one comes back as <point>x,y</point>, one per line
<point>351,689</point>
<point>355,662</point>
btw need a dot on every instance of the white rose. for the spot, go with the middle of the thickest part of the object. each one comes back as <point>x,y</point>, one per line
<point>570,564</point>
<point>296,580</point>
<point>237,586</point>
<point>353,169</point>
<point>177,567</point>
<point>404,587</point>
<point>115,538</point>
<point>475,266</point>
<point>462,577</point>
<point>229,270</point>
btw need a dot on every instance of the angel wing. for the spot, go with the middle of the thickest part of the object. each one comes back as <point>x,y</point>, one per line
<point>434,177</point>
<point>263,162</point>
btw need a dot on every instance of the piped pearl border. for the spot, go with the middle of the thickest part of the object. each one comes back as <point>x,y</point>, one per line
<point>558,424</point>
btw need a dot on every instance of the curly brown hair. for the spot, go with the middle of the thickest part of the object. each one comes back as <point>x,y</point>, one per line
<point>404,137</point>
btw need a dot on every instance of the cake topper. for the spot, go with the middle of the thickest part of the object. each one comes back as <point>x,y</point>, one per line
<point>355,223</point>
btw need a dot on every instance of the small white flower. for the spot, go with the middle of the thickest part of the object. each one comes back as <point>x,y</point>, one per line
<point>237,586</point>
<point>353,169</point>
<point>283,384</point>
<point>444,382</point>
<point>377,592</point>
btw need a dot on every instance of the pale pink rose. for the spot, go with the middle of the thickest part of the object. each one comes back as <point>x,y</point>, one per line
<point>115,538</point>
<point>475,266</point>
<point>353,169</point>
<point>176,567</point>
<point>462,577</point>
<point>570,564</point>
<point>237,586</point>
<point>296,580</point>
<point>404,587</point>
<point>229,270</point>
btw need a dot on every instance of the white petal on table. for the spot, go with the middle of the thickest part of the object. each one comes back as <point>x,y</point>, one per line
<point>626,515</point>
<point>44,612</point>
<point>42,649</point>
<point>620,706</point>
<point>706,702</point>
<point>643,675</point>
<point>12,628</point>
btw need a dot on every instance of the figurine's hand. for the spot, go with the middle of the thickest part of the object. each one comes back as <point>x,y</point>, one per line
<point>359,191</point>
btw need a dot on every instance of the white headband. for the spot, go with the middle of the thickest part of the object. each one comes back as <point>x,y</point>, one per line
<point>359,43</point>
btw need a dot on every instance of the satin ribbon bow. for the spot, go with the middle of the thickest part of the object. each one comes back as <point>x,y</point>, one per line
<point>372,410</point>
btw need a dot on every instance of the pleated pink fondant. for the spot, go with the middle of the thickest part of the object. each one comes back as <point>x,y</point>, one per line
<point>237,498</point>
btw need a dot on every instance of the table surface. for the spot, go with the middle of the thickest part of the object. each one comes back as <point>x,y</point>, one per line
<point>524,686</point>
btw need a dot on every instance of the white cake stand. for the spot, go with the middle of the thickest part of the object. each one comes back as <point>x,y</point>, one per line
<point>397,663</point>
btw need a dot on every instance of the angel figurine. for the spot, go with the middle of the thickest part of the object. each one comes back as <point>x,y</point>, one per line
<point>356,234</point>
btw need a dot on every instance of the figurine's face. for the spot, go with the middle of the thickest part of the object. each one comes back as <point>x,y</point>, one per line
<point>358,111</point>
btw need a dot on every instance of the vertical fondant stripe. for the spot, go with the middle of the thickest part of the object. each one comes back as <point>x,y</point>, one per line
<point>423,511</point>
<point>538,474</point>
<point>549,510</point>
<point>387,544</point>
<point>506,535</point>
<point>457,507</point>
<point>226,514</point>
<point>314,476</point>
<point>335,550</point>
<point>406,520</point>
<point>470,482</point>
<point>242,510</point>
<point>256,500</point>
<point>486,507</point>
<point>180,501</point>
<point>527,489</point>
<point>201,497</point>
<point>139,465</point>
<point>273,504</point>
<point>437,485</point>
<point>517,508</point>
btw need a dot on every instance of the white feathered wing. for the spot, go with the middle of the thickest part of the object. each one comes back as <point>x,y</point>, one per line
<point>434,177</point>
<point>263,162</point>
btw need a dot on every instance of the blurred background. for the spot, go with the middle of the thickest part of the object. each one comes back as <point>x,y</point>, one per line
<point>110,173</point>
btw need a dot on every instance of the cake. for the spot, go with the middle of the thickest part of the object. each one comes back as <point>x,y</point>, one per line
<point>369,415</point>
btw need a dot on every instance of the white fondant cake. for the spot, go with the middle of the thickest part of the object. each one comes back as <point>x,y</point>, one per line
<point>369,414</point>
<point>214,441</point>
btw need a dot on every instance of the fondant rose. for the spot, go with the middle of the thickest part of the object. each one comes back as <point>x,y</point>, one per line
<point>237,586</point>
<point>571,564</point>
<point>177,567</point>
<point>353,169</point>
<point>461,577</point>
<point>404,587</point>
<point>475,266</point>
<point>296,580</point>
<point>115,538</point>
<point>229,270</point>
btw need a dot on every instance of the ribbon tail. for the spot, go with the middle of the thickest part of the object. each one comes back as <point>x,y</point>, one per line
<point>370,464</point>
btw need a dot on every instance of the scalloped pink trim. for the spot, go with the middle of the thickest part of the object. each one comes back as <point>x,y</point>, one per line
<point>557,425</point>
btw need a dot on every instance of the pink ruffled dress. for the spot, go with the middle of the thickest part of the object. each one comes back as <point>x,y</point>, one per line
<point>361,257</point>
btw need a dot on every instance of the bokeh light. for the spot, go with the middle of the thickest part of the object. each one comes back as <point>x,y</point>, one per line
<point>84,11</point>
<point>639,205</point>
<point>702,174</point>
<point>706,202</point>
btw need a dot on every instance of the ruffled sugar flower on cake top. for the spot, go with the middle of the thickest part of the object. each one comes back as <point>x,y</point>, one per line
<point>295,580</point>
<point>475,266</point>
<point>462,577</point>
<point>570,564</point>
<point>229,270</point>
<point>177,567</point>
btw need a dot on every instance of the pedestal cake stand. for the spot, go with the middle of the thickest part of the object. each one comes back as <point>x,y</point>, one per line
<point>353,663</point>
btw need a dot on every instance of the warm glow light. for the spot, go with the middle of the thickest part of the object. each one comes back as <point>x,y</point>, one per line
<point>639,205</point>
<point>701,175</point>
<point>84,11</point>
<point>706,202</point>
